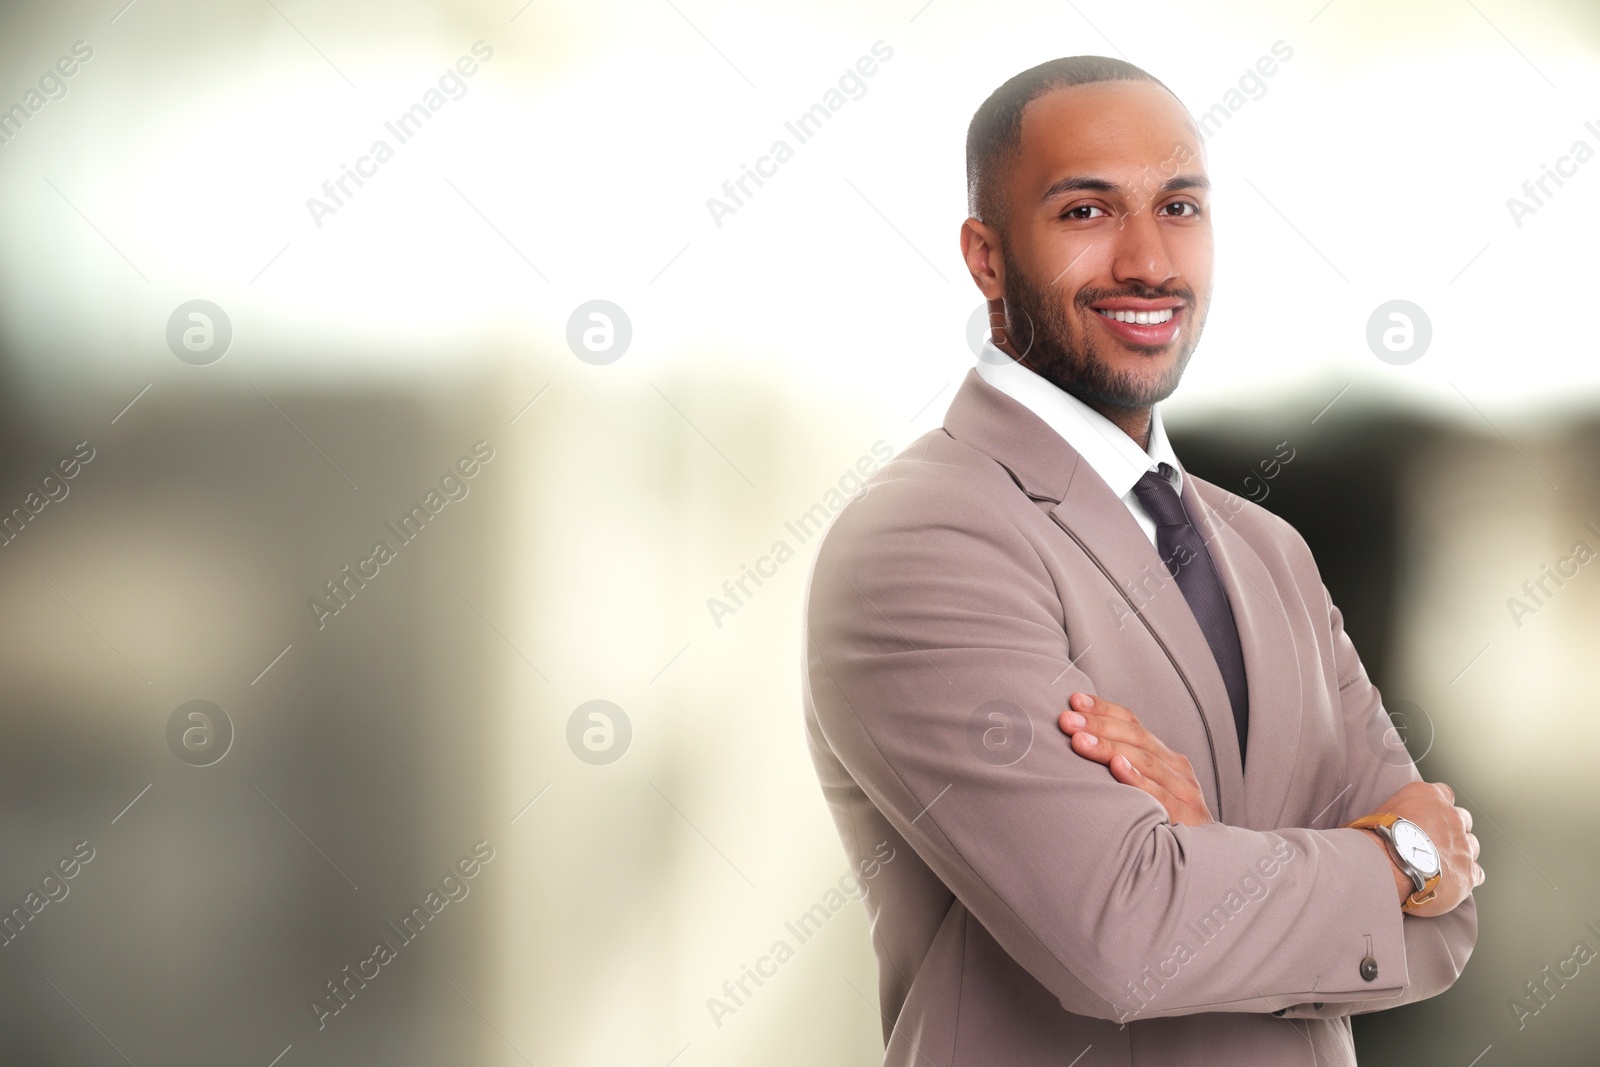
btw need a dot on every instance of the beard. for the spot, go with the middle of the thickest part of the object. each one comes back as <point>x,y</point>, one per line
<point>1039,330</point>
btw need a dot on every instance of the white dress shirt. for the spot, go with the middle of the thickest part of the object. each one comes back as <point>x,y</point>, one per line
<point>1102,443</point>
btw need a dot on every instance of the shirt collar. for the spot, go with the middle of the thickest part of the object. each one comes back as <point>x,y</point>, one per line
<point>1102,443</point>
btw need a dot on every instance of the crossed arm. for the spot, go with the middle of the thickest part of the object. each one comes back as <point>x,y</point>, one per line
<point>917,622</point>
<point>1111,735</point>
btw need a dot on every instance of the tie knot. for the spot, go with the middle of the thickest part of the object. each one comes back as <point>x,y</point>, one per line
<point>1159,498</point>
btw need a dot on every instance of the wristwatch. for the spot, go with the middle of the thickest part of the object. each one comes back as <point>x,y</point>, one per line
<point>1413,852</point>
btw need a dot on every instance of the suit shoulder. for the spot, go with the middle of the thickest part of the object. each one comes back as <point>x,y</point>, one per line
<point>935,494</point>
<point>935,479</point>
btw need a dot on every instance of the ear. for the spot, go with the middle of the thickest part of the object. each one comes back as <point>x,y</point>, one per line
<point>980,247</point>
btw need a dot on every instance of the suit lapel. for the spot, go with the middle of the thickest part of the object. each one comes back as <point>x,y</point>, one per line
<point>1271,647</point>
<point>1049,469</point>
<point>1103,528</point>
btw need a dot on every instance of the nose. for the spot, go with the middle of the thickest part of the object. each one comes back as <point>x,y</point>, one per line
<point>1141,254</point>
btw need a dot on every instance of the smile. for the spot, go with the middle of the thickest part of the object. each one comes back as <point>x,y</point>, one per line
<point>1142,318</point>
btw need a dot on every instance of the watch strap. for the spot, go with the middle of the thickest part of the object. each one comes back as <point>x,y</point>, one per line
<point>1380,822</point>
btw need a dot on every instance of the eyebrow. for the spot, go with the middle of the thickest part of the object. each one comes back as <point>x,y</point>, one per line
<point>1077,183</point>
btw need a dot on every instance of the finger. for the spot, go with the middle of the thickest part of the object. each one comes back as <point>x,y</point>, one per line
<point>1150,770</point>
<point>1125,772</point>
<point>1113,722</point>
<point>1088,743</point>
<point>1091,747</point>
<point>1182,809</point>
<point>1477,876</point>
<point>1127,732</point>
<point>1086,704</point>
<point>1449,794</point>
<point>1466,819</point>
<point>1153,757</point>
<point>1173,781</point>
<point>1472,846</point>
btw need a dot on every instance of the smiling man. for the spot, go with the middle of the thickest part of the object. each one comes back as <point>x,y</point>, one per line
<point>1109,708</point>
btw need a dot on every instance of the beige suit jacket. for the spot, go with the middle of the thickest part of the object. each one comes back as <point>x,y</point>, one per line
<point>1035,909</point>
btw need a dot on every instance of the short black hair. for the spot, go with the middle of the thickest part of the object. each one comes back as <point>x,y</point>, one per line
<point>995,134</point>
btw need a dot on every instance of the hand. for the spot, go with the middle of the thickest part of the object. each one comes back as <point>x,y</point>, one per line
<point>1110,734</point>
<point>1431,805</point>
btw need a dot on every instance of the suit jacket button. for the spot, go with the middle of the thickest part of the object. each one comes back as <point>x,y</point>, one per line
<point>1369,969</point>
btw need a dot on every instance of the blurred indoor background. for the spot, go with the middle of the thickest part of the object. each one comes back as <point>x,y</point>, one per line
<point>375,323</point>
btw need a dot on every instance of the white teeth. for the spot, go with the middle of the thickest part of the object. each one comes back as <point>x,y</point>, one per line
<point>1142,318</point>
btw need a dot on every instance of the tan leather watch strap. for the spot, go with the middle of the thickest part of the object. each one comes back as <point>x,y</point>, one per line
<point>1387,819</point>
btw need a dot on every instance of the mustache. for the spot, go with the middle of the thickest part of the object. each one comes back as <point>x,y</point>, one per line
<point>1087,298</point>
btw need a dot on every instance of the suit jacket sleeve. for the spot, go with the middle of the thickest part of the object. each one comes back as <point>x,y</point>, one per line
<point>929,624</point>
<point>1437,948</point>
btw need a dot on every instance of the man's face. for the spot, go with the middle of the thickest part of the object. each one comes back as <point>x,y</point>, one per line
<point>1108,214</point>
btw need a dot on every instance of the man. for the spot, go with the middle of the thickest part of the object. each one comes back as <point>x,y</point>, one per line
<point>1104,712</point>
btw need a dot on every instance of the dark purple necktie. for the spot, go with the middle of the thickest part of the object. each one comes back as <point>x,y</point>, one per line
<point>1190,564</point>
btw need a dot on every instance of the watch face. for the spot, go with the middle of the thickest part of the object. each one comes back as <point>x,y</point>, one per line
<point>1415,845</point>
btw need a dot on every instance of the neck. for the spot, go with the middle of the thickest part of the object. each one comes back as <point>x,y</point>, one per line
<point>1135,422</point>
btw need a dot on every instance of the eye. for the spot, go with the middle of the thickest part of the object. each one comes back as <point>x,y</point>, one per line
<point>1193,209</point>
<point>1075,212</point>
